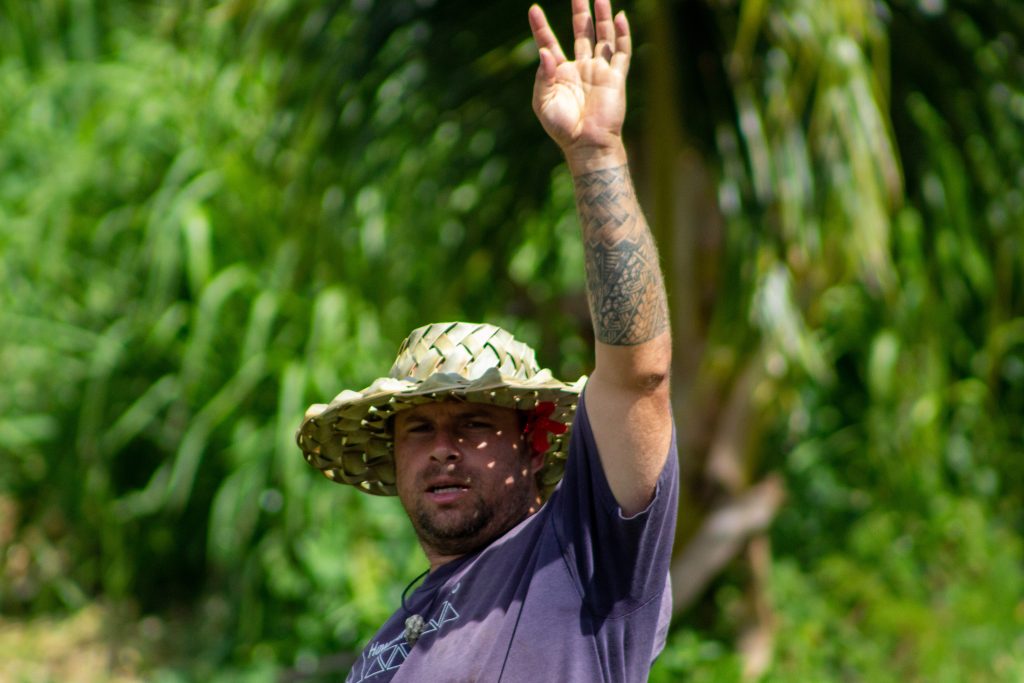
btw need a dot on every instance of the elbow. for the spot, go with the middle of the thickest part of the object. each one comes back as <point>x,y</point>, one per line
<point>653,382</point>
<point>654,368</point>
<point>648,378</point>
<point>641,370</point>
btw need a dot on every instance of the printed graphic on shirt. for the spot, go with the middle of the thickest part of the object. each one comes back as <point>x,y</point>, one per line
<point>379,658</point>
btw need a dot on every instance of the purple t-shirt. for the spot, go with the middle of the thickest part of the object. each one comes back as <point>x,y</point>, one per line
<point>575,592</point>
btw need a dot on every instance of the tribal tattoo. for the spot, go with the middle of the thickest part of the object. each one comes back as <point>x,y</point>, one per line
<point>624,283</point>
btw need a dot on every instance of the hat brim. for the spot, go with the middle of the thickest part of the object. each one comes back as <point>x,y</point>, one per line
<point>349,440</point>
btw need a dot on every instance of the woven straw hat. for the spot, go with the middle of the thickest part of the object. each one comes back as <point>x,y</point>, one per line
<point>350,440</point>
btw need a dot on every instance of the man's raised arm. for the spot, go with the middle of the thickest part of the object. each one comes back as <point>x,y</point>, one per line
<point>582,104</point>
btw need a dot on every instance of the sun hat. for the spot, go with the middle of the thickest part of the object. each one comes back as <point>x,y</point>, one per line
<point>349,439</point>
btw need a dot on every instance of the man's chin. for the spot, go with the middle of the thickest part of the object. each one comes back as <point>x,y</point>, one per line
<point>463,529</point>
<point>449,529</point>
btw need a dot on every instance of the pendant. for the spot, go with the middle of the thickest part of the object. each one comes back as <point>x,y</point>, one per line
<point>414,626</point>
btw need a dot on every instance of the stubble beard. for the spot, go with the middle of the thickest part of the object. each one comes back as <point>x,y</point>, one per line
<point>474,529</point>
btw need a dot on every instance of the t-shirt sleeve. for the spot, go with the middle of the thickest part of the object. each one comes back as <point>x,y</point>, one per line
<point>619,563</point>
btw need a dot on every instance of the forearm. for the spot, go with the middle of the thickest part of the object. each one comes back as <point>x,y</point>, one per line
<point>625,287</point>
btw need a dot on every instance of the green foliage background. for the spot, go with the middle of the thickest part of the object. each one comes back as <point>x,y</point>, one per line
<point>215,213</point>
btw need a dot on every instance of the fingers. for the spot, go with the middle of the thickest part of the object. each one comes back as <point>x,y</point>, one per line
<point>544,37</point>
<point>602,35</point>
<point>582,29</point>
<point>603,22</point>
<point>623,44</point>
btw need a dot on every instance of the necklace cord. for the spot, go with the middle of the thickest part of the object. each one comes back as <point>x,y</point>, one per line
<point>411,584</point>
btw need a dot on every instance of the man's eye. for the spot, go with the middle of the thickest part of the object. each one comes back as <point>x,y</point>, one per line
<point>478,424</point>
<point>418,428</point>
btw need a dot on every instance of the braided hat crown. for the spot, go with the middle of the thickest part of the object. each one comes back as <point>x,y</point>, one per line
<point>464,349</point>
<point>350,440</point>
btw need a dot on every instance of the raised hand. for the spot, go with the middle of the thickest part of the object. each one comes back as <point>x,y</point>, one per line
<point>582,102</point>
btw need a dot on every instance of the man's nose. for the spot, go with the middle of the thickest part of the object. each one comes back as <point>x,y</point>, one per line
<point>446,447</point>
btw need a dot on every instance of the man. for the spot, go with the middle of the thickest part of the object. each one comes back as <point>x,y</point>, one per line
<point>471,436</point>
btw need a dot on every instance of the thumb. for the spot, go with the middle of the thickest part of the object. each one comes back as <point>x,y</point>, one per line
<point>546,71</point>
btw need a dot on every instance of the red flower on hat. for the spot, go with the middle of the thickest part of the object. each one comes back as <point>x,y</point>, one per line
<point>539,424</point>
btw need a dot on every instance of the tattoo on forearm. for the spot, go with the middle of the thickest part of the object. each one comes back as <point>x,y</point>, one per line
<point>624,283</point>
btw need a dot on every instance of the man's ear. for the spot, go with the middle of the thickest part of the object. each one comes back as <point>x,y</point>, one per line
<point>536,460</point>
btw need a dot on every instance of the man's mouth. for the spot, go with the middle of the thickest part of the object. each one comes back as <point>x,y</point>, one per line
<point>446,489</point>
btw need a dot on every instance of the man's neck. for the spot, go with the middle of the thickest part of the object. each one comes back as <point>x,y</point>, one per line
<point>438,561</point>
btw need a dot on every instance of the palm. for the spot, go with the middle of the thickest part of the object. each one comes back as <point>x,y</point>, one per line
<point>582,102</point>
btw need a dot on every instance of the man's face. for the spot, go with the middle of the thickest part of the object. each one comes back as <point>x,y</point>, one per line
<point>463,473</point>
